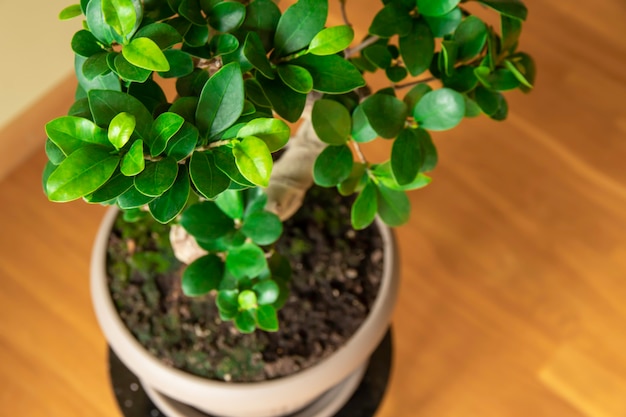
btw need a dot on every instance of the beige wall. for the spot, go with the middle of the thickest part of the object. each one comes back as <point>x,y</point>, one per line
<point>36,53</point>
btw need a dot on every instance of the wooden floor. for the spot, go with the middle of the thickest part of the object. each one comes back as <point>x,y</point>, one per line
<point>513,300</point>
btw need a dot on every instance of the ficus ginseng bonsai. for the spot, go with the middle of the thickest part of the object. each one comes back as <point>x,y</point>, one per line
<point>205,160</point>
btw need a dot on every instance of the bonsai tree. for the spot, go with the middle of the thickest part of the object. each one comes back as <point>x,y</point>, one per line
<point>205,161</point>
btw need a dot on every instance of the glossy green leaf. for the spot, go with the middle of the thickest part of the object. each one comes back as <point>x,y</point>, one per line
<point>267,319</point>
<point>205,175</point>
<point>231,203</point>
<point>197,37</point>
<point>415,95</point>
<point>440,109</point>
<point>362,130</point>
<point>224,43</point>
<point>105,105</point>
<point>133,162</point>
<point>205,221</point>
<point>69,133</point>
<point>355,182</point>
<point>190,10</point>
<point>130,72</point>
<point>386,114</point>
<point>262,17</point>
<point>436,7</point>
<point>183,143</point>
<point>81,173</point>
<point>511,31</point>
<point>181,64</point>
<point>331,40</point>
<point>225,161</point>
<point>274,132</point>
<point>132,199</point>
<point>202,276</point>
<point>391,20</point>
<point>417,47</point>
<point>462,79</point>
<point>472,109</point>
<point>471,36</point>
<point>333,165</point>
<point>296,78</point>
<point>157,177</point>
<point>245,321</point>
<point>365,207</point>
<point>120,15</point>
<point>396,73</point>
<point>117,185</point>
<point>267,292</point>
<point>384,175</point>
<point>121,128</point>
<point>54,153</point>
<point>331,121</point>
<point>227,16</point>
<point>247,260</point>
<point>523,68</point>
<point>221,101</point>
<point>445,24</point>
<point>406,156</point>
<point>331,74</point>
<point>264,228</point>
<point>447,57</point>
<point>85,44</point>
<point>247,300</point>
<point>70,12</point>
<point>512,8</point>
<point>499,80</point>
<point>164,35</point>
<point>144,53</point>
<point>285,101</point>
<point>96,65</point>
<point>106,81</point>
<point>298,26</point>
<point>97,24</point>
<point>186,107</point>
<point>168,206</point>
<point>227,303</point>
<point>254,160</point>
<point>488,101</point>
<point>255,52</point>
<point>394,207</point>
<point>428,150</point>
<point>163,129</point>
<point>378,55</point>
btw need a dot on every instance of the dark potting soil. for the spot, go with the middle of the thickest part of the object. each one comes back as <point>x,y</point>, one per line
<point>336,276</point>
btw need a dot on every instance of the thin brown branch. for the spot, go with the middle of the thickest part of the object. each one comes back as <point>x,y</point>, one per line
<point>359,152</point>
<point>414,83</point>
<point>367,42</point>
<point>344,12</point>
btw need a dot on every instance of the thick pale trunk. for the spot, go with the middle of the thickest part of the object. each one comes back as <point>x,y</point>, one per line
<point>291,177</point>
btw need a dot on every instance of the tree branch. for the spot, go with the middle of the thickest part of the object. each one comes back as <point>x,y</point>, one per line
<point>367,42</point>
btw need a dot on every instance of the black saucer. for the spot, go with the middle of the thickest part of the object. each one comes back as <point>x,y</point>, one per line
<point>134,402</point>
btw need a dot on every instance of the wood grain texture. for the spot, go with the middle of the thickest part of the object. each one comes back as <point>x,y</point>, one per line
<point>513,300</point>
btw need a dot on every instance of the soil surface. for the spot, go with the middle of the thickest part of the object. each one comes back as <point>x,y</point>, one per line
<point>336,276</point>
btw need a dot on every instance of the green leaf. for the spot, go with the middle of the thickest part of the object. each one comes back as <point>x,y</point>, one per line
<point>445,24</point>
<point>190,10</point>
<point>266,318</point>
<point>164,35</point>
<point>436,7</point>
<point>197,37</point>
<point>245,321</point>
<point>181,64</point>
<point>130,72</point>
<point>286,102</point>
<point>440,109</point>
<point>85,44</point>
<point>224,44</point>
<point>157,177</point>
<point>512,8</point>
<point>117,185</point>
<point>207,178</point>
<point>264,228</point>
<point>471,36</point>
<point>133,162</point>
<point>333,165</point>
<point>206,222</point>
<point>121,129</point>
<point>355,181</point>
<point>81,173</point>
<point>69,133</point>
<point>378,55</point>
<point>163,129</point>
<point>247,300</point>
<point>262,17</point>
<point>448,57</point>
<point>227,302</point>
<point>274,132</point>
<point>391,20</point>
<point>106,81</point>
<point>105,105</point>
<point>225,161</point>
<point>384,175</point>
<point>511,31</point>
<point>186,107</point>
<point>227,16</point>
<point>255,53</point>
<point>394,207</point>
<point>415,95</point>
<point>70,12</point>
<point>145,53</point>
<point>254,160</point>
<point>406,157</point>
<point>417,47</point>
<point>247,260</point>
<point>202,276</point>
<point>121,16</point>
<point>267,292</point>
<point>331,74</point>
<point>499,80</point>
<point>183,143</point>
<point>331,121</point>
<point>132,199</point>
<point>386,114</point>
<point>97,24</point>
<point>298,26</point>
<point>221,101</point>
<point>362,130</point>
<point>462,79</point>
<point>396,73</point>
<point>365,207</point>
<point>169,205</point>
<point>54,153</point>
<point>488,101</point>
<point>523,68</point>
<point>428,150</point>
<point>331,40</point>
<point>296,78</point>
<point>96,65</point>
<point>231,203</point>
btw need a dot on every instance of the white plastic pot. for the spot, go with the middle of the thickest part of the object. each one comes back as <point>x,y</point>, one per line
<point>260,399</point>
